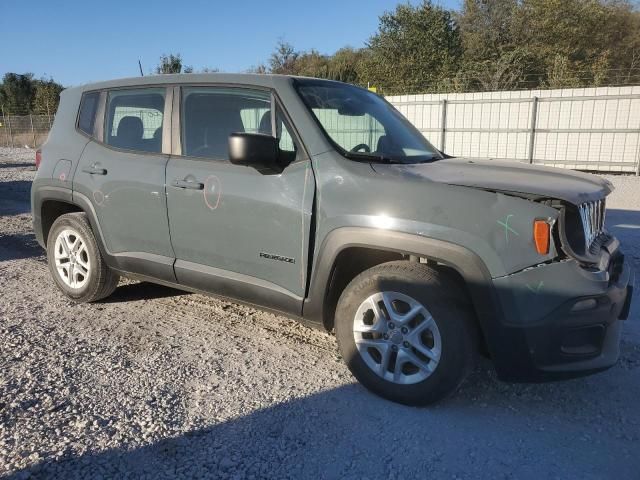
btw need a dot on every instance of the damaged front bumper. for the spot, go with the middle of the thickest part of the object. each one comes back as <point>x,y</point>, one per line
<point>561,319</point>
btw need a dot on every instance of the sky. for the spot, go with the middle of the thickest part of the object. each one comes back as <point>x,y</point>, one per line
<point>77,42</point>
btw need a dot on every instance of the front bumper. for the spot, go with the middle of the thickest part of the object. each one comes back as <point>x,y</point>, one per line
<point>562,320</point>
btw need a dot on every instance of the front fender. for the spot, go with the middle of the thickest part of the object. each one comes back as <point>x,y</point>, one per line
<point>467,263</point>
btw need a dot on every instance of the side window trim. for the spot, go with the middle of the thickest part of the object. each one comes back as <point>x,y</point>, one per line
<point>303,154</point>
<point>272,113</point>
<point>98,128</point>
<point>176,125</point>
<point>167,117</point>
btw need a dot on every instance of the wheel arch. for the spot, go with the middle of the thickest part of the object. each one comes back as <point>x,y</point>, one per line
<point>50,203</point>
<point>50,210</point>
<point>378,246</point>
<point>47,204</point>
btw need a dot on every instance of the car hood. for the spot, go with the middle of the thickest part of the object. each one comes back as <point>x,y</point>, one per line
<point>508,177</point>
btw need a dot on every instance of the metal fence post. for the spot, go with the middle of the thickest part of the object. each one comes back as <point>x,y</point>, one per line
<point>4,127</point>
<point>49,115</point>
<point>532,128</point>
<point>9,127</point>
<point>638,155</point>
<point>443,126</point>
<point>33,133</point>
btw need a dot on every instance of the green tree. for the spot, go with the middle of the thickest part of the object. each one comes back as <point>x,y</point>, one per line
<point>16,92</point>
<point>487,28</point>
<point>488,45</point>
<point>622,45</point>
<point>492,59</point>
<point>283,59</point>
<point>548,43</point>
<point>414,49</point>
<point>508,71</point>
<point>346,65</point>
<point>170,64</point>
<point>311,64</point>
<point>570,40</point>
<point>46,97</point>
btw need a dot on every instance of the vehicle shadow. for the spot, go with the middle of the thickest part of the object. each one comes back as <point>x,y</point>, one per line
<point>347,432</point>
<point>625,224</point>
<point>131,292</point>
<point>15,197</point>
<point>17,165</point>
<point>581,428</point>
<point>19,246</point>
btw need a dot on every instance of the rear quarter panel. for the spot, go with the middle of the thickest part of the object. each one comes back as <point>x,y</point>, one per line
<point>60,155</point>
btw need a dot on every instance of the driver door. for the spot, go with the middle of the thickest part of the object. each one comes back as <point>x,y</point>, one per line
<point>234,230</point>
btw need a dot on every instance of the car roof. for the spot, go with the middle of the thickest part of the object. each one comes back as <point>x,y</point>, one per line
<point>264,80</point>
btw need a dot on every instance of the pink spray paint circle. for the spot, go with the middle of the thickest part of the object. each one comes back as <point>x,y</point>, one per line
<point>98,196</point>
<point>212,192</point>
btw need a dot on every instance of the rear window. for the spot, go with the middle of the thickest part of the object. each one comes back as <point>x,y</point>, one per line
<point>134,119</point>
<point>87,116</point>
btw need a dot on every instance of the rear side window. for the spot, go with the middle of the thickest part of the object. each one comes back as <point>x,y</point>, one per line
<point>87,116</point>
<point>211,114</point>
<point>134,119</point>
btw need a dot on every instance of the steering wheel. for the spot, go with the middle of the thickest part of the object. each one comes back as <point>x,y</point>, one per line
<point>361,147</point>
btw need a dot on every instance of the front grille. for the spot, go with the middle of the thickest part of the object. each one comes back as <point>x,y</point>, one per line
<point>592,215</point>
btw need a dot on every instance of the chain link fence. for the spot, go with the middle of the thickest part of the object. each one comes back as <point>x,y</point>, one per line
<point>24,129</point>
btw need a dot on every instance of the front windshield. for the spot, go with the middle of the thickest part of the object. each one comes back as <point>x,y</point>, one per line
<point>364,125</point>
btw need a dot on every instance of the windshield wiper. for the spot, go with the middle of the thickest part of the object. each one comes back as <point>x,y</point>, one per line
<point>370,157</point>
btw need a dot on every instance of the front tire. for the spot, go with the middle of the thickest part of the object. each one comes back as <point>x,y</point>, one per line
<point>406,332</point>
<point>75,261</point>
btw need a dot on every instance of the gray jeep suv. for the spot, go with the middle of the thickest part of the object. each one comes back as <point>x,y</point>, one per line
<point>318,200</point>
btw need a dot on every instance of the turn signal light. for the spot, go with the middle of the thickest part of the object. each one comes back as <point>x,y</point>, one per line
<point>38,158</point>
<point>541,234</point>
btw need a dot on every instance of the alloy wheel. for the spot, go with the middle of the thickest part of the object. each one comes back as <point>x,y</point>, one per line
<point>397,337</point>
<point>72,258</point>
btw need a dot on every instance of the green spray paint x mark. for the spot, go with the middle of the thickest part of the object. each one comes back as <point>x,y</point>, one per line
<point>507,228</point>
<point>536,290</point>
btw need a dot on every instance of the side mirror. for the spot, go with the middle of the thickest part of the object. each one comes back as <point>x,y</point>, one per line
<point>255,150</point>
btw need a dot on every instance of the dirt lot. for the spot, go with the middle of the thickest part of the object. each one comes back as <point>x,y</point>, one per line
<point>157,383</point>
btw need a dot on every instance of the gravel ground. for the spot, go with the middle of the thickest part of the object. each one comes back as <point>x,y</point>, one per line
<point>156,383</point>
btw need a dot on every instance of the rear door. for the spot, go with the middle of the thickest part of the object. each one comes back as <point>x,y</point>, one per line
<point>234,230</point>
<point>123,176</point>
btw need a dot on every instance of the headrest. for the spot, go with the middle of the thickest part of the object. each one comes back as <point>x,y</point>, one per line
<point>130,127</point>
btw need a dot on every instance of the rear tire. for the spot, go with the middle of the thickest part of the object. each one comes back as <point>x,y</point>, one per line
<point>406,332</point>
<point>75,261</point>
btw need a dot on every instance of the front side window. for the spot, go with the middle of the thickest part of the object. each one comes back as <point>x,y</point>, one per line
<point>87,115</point>
<point>211,114</point>
<point>286,144</point>
<point>134,119</point>
<point>363,125</point>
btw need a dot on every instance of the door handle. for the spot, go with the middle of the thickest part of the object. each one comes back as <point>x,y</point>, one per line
<point>187,184</point>
<point>95,171</point>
